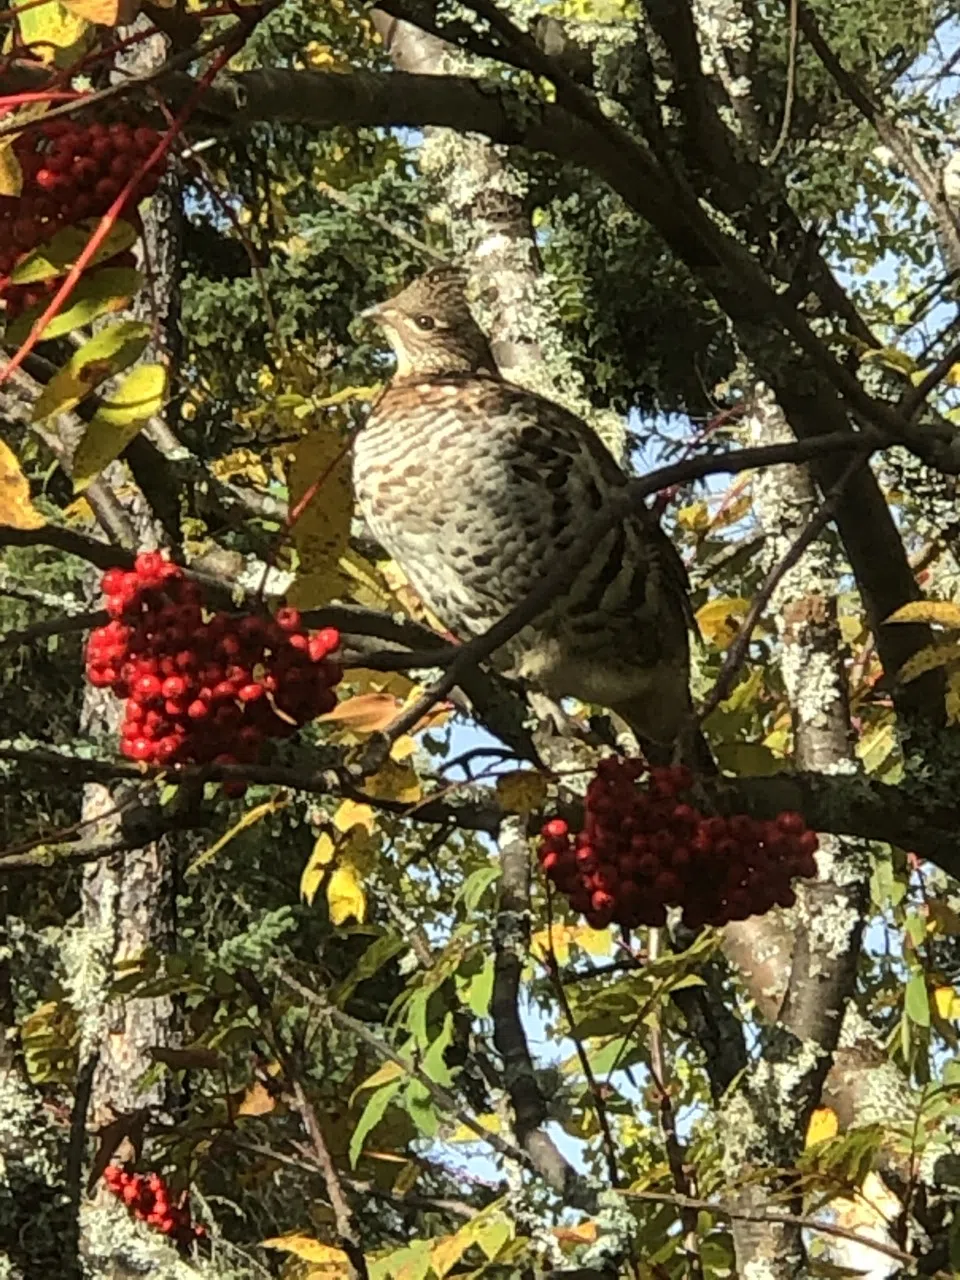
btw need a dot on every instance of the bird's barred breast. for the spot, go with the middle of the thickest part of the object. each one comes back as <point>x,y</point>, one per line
<point>476,497</point>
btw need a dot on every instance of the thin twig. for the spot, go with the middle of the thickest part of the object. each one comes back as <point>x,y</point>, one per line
<point>913,400</point>
<point>53,627</point>
<point>790,89</point>
<point>347,1229</point>
<point>603,1120</point>
<point>787,1219</point>
<point>668,1130</point>
<point>440,1095</point>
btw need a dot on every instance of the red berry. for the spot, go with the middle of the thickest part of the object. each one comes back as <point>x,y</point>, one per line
<point>555,829</point>
<point>147,688</point>
<point>288,619</point>
<point>198,709</point>
<point>250,692</point>
<point>174,687</point>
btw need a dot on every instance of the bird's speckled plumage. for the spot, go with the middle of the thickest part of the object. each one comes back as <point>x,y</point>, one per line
<point>476,487</point>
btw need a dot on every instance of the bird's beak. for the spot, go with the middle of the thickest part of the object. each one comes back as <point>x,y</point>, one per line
<point>376,313</point>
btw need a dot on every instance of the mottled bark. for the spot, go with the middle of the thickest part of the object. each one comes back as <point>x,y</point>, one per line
<point>801,969</point>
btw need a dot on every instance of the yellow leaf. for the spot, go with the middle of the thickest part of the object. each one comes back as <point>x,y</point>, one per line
<point>366,713</point>
<point>447,1252</point>
<point>403,748</point>
<point>249,819</point>
<point>953,697</point>
<point>947,1003</point>
<point>583,1233</point>
<point>323,854</point>
<point>490,1123</point>
<point>876,745</point>
<point>823,1125</point>
<point>257,1101</point>
<point>522,791</point>
<point>319,476</point>
<point>389,1072</point>
<point>105,13</point>
<point>890,357</point>
<point>110,351</point>
<point>695,516</point>
<point>940,613</point>
<point>365,584</point>
<point>717,619</point>
<point>345,896</point>
<point>55,35</point>
<point>11,175</point>
<point>953,376</point>
<point>16,509</point>
<point>138,398</point>
<point>928,658</point>
<point>395,782</point>
<point>595,942</point>
<point>351,813</point>
<point>57,256</point>
<point>334,1261</point>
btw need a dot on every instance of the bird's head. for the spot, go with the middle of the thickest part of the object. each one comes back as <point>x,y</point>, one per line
<point>430,328</point>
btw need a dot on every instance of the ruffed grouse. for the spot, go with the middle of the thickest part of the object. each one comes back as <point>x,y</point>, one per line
<point>476,488</point>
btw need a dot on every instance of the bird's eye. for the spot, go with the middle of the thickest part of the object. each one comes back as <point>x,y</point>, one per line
<point>425,322</point>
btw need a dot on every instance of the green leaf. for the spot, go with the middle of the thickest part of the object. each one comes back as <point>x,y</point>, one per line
<point>58,256</point>
<point>107,353</point>
<point>421,1110</point>
<point>916,1004</point>
<point>386,1074</point>
<point>96,294</point>
<point>379,953</point>
<point>371,1116</point>
<point>118,420</point>
<point>476,885</point>
<point>928,659</point>
<point>433,1060</point>
<point>480,990</point>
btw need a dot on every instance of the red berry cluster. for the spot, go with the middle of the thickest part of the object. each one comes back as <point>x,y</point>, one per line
<point>204,689</point>
<point>643,849</point>
<point>148,1197</point>
<point>71,171</point>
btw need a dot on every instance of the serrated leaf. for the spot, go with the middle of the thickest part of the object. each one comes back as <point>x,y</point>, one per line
<point>891,357</point>
<point>929,658</point>
<point>480,989</point>
<point>490,1123</point>
<point>940,613</point>
<point>16,508</point>
<point>718,619</point>
<point>59,254</point>
<point>523,791</point>
<point>823,1125</point>
<point>55,34</point>
<point>395,781</point>
<point>11,174</point>
<point>371,1116</point>
<point>366,713</point>
<point>320,467</point>
<point>257,1101</point>
<point>351,813</point>
<point>324,851</point>
<point>310,1250</point>
<point>130,407</point>
<point>97,293</point>
<point>385,1074</point>
<point>947,1003</point>
<point>876,745</point>
<point>916,1003</point>
<point>345,896</point>
<point>106,354</point>
<point>105,13</point>
<point>249,819</point>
